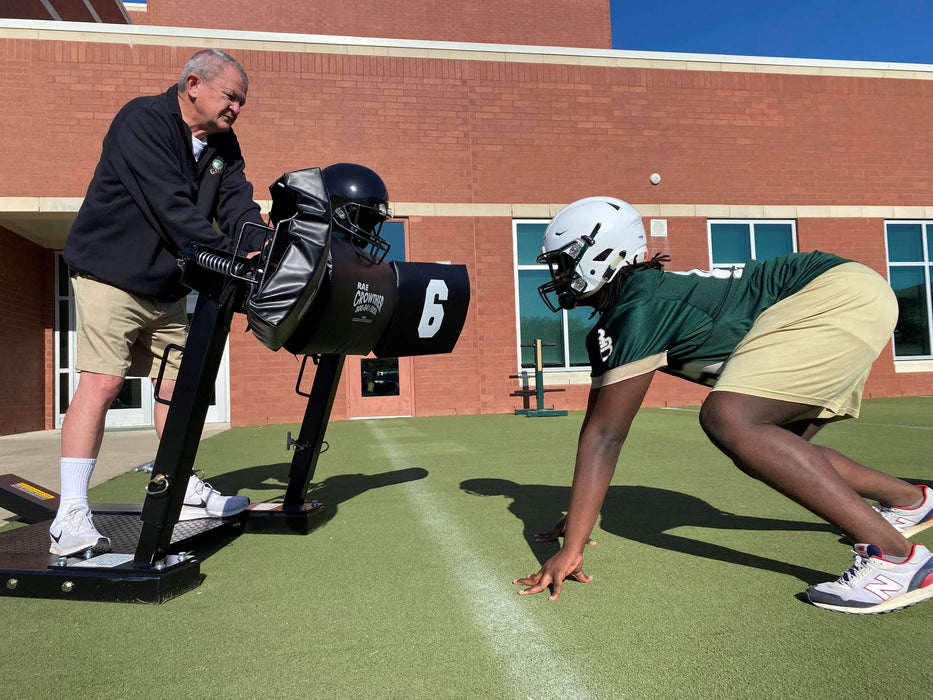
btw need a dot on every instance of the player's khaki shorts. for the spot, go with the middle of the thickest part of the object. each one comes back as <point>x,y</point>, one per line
<point>124,334</point>
<point>817,346</point>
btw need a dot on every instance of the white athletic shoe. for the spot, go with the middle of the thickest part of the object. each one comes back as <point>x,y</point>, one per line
<point>76,533</point>
<point>910,521</point>
<point>876,585</point>
<point>204,501</point>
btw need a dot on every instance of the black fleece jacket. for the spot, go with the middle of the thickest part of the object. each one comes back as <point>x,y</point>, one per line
<point>149,199</point>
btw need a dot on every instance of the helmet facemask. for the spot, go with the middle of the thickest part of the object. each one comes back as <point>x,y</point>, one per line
<point>359,203</point>
<point>361,224</point>
<point>566,283</point>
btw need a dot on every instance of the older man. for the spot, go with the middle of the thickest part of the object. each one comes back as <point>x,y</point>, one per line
<point>170,167</point>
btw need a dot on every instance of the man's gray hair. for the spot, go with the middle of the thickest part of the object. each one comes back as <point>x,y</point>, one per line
<point>208,65</point>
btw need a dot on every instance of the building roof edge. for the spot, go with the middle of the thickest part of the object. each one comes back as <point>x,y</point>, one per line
<point>472,51</point>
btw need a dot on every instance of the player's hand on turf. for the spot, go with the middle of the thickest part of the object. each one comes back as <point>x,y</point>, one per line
<point>561,566</point>
<point>557,531</point>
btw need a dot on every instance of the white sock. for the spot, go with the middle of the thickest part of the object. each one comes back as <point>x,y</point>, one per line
<point>76,476</point>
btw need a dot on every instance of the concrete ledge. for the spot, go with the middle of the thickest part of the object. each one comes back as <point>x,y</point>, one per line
<point>33,206</point>
<point>35,456</point>
<point>908,366</point>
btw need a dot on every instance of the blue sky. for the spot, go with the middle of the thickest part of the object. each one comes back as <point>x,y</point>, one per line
<point>857,30</point>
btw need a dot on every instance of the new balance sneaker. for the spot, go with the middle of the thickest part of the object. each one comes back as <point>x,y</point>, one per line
<point>877,585</point>
<point>204,501</point>
<point>910,521</point>
<point>76,533</point>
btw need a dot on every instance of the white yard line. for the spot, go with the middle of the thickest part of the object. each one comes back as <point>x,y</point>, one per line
<point>534,668</point>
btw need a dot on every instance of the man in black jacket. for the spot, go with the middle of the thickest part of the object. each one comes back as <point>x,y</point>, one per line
<point>170,167</point>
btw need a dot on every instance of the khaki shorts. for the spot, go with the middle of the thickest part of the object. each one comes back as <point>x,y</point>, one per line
<point>125,335</point>
<point>817,346</point>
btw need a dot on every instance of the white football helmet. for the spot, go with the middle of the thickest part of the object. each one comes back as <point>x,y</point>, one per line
<point>584,246</point>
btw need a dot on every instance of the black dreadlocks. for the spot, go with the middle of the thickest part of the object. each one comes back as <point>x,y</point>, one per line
<point>607,296</point>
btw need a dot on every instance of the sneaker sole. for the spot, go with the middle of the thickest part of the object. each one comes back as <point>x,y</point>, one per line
<point>898,603</point>
<point>918,528</point>
<point>907,532</point>
<point>102,546</point>
<point>195,513</point>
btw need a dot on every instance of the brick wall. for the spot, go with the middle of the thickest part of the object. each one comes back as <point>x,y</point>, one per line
<point>466,131</point>
<point>584,23</point>
<point>449,384</point>
<point>262,383</point>
<point>26,290</point>
<point>481,131</point>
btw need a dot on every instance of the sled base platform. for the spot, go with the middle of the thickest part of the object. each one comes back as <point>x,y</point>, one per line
<point>28,570</point>
<point>275,519</point>
<point>106,578</point>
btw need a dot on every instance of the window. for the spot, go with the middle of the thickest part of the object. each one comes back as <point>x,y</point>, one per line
<point>910,256</point>
<point>733,243</point>
<point>379,376</point>
<point>562,334</point>
<point>65,323</point>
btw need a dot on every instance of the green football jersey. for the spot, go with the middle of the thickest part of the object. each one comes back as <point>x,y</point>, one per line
<point>689,322</point>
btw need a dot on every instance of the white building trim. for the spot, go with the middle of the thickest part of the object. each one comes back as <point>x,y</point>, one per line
<point>543,210</point>
<point>46,30</point>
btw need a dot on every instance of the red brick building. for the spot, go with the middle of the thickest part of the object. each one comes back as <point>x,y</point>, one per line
<point>483,120</point>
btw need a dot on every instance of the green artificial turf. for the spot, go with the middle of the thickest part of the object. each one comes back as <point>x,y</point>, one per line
<point>406,593</point>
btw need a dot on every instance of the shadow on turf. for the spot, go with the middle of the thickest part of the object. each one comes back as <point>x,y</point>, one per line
<point>645,515</point>
<point>333,491</point>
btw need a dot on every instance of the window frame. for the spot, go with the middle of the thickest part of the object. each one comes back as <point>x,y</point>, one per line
<point>926,229</point>
<point>370,360</point>
<point>751,234</point>
<point>565,325</point>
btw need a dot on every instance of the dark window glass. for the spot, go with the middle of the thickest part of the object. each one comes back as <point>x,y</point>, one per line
<point>538,321</point>
<point>579,324</point>
<point>912,333</point>
<point>64,323</point>
<point>773,240</point>
<point>905,243</point>
<point>63,279</point>
<point>63,392</point>
<point>379,377</point>
<point>528,239</point>
<point>130,396</point>
<point>731,243</point>
<point>394,233</point>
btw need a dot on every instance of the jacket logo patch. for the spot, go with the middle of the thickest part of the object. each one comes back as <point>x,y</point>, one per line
<point>605,345</point>
<point>216,166</point>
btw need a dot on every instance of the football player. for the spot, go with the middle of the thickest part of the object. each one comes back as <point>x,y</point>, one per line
<point>786,343</point>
